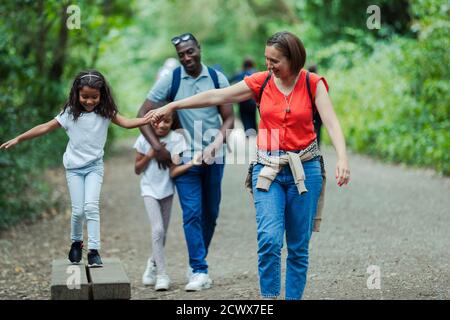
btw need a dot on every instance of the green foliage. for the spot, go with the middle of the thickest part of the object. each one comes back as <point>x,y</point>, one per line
<point>332,16</point>
<point>387,114</point>
<point>39,56</point>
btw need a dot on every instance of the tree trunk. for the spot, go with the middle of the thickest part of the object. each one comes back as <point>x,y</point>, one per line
<point>41,38</point>
<point>59,55</point>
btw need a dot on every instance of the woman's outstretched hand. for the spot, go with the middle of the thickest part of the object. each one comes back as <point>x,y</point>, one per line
<point>342,172</point>
<point>157,115</point>
<point>147,118</point>
<point>10,143</point>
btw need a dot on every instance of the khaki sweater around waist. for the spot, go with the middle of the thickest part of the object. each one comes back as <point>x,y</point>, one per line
<point>274,164</point>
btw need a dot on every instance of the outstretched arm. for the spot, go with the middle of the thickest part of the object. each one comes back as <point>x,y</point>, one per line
<point>331,122</point>
<point>235,93</point>
<point>131,123</point>
<point>37,131</point>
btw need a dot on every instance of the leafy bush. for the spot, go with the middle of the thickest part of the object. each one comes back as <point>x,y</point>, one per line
<point>388,113</point>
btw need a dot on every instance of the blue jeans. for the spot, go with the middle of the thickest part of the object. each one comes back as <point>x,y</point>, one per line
<point>199,191</point>
<point>84,187</point>
<point>282,209</point>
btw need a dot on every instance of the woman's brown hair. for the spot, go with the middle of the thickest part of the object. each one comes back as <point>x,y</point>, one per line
<point>291,47</point>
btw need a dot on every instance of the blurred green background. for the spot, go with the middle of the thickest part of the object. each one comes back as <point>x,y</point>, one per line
<point>389,86</point>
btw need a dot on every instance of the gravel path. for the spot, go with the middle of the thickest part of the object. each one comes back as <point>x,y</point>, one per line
<point>390,216</point>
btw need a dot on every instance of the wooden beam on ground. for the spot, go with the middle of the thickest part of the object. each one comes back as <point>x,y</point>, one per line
<point>69,281</point>
<point>110,281</point>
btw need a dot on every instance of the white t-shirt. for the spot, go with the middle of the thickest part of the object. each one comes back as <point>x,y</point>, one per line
<point>156,182</point>
<point>87,137</point>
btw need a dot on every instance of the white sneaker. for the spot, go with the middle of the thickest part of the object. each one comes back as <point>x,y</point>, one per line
<point>149,276</point>
<point>162,282</point>
<point>199,281</point>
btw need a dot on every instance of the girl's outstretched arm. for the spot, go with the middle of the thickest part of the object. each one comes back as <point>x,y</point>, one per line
<point>37,131</point>
<point>131,123</point>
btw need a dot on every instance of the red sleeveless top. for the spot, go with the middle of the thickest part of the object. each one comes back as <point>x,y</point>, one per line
<point>278,129</point>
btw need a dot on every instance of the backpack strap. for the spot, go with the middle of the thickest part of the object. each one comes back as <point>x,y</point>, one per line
<point>308,86</point>
<point>176,79</point>
<point>214,77</point>
<point>316,117</point>
<point>261,91</point>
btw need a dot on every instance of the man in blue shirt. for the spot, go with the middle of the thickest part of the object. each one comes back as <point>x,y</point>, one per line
<point>199,189</point>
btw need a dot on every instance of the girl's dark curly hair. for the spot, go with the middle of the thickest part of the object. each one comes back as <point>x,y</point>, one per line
<point>91,78</point>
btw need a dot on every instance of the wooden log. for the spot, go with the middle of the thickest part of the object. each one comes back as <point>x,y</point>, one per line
<point>69,281</point>
<point>110,282</point>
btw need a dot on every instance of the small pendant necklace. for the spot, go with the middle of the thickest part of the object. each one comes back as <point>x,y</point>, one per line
<point>288,104</point>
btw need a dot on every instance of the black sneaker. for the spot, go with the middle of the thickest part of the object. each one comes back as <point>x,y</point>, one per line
<point>76,252</point>
<point>94,260</point>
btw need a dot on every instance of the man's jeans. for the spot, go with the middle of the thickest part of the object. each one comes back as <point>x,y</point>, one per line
<point>84,188</point>
<point>199,191</point>
<point>281,209</point>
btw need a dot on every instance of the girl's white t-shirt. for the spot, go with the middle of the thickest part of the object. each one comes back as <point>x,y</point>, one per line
<point>87,137</point>
<point>156,182</point>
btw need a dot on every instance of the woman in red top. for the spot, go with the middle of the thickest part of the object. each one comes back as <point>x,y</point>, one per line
<point>285,128</point>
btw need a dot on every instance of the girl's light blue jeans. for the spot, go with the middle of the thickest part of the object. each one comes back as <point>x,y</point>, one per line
<point>84,187</point>
<point>282,209</point>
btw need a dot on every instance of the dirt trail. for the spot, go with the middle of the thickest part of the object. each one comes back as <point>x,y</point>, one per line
<point>392,217</point>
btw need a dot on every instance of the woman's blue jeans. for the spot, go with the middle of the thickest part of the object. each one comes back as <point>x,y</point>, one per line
<point>84,187</point>
<point>282,209</point>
